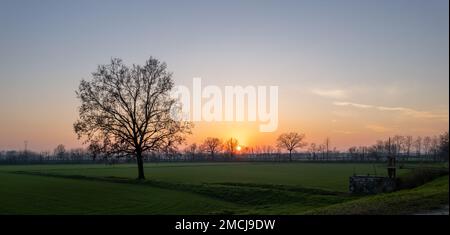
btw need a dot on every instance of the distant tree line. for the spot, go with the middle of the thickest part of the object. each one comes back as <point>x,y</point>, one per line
<point>434,148</point>
<point>289,147</point>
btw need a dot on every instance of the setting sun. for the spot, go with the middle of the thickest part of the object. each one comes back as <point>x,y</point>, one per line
<point>238,148</point>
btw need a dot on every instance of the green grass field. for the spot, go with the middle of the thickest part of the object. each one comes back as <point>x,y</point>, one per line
<point>184,188</point>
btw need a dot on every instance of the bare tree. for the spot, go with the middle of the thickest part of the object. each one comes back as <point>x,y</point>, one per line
<point>418,145</point>
<point>321,150</point>
<point>363,152</point>
<point>231,146</point>
<point>434,147</point>
<point>335,151</point>
<point>290,142</point>
<point>129,110</point>
<point>380,147</point>
<point>426,145</point>
<point>313,150</point>
<point>398,144</point>
<point>212,146</point>
<point>45,154</point>
<point>268,150</point>
<point>59,151</point>
<point>444,146</point>
<point>170,149</point>
<point>77,153</point>
<point>191,150</point>
<point>408,142</point>
<point>95,149</point>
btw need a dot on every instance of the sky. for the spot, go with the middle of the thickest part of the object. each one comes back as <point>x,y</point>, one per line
<point>353,71</point>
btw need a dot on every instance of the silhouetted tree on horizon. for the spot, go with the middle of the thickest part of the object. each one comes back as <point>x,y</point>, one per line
<point>408,143</point>
<point>191,150</point>
<point>211,145</point>
<point>59,151</point>
<point>127,110</point>
<point>444,146</point>
<point>230,146</point>
<point>290,142</point>
<point>418,145</point>
<point>313,149</point>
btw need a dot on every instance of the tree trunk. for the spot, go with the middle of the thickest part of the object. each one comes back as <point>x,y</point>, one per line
<point>140,163</point>
<point>290,155</point>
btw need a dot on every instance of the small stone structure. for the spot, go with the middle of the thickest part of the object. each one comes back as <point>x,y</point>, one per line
<point>363,184</point>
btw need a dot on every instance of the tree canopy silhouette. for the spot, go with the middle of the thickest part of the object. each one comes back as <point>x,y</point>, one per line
<point>291,141</point>
<point>211,145</point>
<point>231,145</point>
<point>129,111</point>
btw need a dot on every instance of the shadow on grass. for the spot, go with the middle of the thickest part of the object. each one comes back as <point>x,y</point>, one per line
<point>290,188</point>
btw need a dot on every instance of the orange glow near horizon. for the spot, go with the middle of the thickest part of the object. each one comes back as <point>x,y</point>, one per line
<point>344,132</point>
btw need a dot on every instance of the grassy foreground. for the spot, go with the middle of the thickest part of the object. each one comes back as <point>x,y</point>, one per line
<point>327,176</point>
<point>206,188</point>
<point>430,196</point>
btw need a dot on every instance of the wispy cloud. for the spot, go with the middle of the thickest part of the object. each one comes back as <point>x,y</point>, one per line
<point>414,113</point>
<point>402,110</point>
<point>356,105</point>
<point>335,94</point>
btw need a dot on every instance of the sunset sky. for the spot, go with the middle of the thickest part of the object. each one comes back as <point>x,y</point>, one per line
<point>354,71</point>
